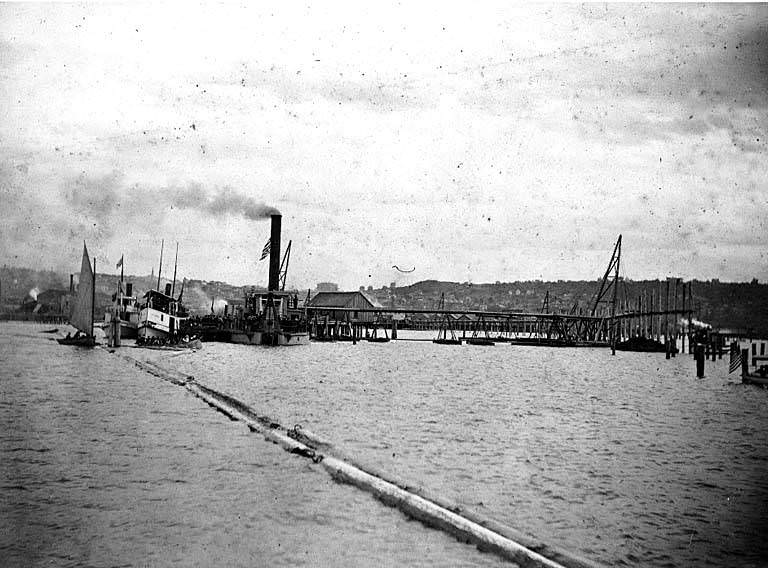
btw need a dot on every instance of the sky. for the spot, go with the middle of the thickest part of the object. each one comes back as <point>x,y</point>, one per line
<point>480,143</point>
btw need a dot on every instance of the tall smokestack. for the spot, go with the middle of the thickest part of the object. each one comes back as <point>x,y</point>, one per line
<point>274,253</point>
<point>71,283</point>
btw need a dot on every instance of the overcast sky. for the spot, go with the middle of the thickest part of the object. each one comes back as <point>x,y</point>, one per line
<point>470,141</point>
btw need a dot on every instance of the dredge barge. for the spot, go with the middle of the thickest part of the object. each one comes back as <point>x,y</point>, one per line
<point>270,317</point>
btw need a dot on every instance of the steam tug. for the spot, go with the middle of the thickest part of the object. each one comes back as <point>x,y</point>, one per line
<point>162,316</point>
<point>127,309</point>
<point>270,317</point>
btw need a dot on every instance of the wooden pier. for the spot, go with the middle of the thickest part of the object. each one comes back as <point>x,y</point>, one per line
<point>617,317</point>
<point>573,330</point>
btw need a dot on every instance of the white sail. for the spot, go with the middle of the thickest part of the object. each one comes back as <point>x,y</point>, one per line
<point>82,310</point>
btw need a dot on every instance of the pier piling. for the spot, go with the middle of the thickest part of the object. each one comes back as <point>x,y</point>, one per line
<point>744,362</point>
<point>699,357</point>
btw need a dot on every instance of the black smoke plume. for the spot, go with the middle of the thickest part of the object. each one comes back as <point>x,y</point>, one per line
<point>219,202</point>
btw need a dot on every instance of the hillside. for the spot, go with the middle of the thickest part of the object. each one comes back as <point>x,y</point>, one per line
<point>721,304</point>
<point>19,284</point>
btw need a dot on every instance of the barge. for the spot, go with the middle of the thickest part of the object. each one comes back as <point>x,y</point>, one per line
<point>270,317</point>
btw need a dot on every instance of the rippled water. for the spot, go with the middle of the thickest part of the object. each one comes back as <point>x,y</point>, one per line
<point>102,464</point>
<point>628,460</point>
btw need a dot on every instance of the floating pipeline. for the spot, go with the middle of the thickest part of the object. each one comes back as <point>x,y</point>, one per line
<point>419,503</point>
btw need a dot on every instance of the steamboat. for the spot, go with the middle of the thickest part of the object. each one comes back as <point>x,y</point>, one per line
<point>126,309</point>
<point>270,317</point>
<point>162,316</point>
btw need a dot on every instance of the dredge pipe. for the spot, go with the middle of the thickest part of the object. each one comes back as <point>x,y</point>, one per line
<point>484,533</point>
<point>415,502</point>
<point>436,516</point>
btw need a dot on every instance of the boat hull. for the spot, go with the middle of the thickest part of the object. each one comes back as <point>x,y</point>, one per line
<point>78,342</point>
<point>447,341</point>
<point>156,324</point>
<point>752,379</point>
<point>477,341</point>
<point>281,339</point>
<point>540,342</point>
<point>193,345</point>
<point>129,330</point>
<point>129,324</point>
<point>644,345</point>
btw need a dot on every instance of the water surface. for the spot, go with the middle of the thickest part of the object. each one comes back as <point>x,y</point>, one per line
<point>627,459</point>
<point>102,464</point>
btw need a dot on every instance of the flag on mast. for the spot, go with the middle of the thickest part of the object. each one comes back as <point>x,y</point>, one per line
<point>265,250</point>
<point>120,266</point>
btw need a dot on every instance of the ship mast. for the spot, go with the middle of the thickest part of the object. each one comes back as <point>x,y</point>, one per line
<point>160,270</point>
<point>175,262</point>
<point>93,294</point>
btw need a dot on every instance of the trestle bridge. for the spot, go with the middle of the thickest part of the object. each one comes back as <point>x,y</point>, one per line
<point>612,319</point>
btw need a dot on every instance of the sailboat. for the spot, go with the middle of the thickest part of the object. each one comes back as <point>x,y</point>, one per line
<point>82,310</point>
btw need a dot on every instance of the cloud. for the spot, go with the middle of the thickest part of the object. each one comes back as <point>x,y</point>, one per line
<point>380,91</point>
<point>484,147</point>
<point>628,75</point>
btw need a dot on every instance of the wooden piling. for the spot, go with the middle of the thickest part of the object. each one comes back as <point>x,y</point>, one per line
<point>674,324</point>
<point>687,325</point>
<point>699,357</point>
<point>659,321</point>
<point>116,330</point>
<point>690,309</point>
<point>666,314</point>
<point>744,363</point>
